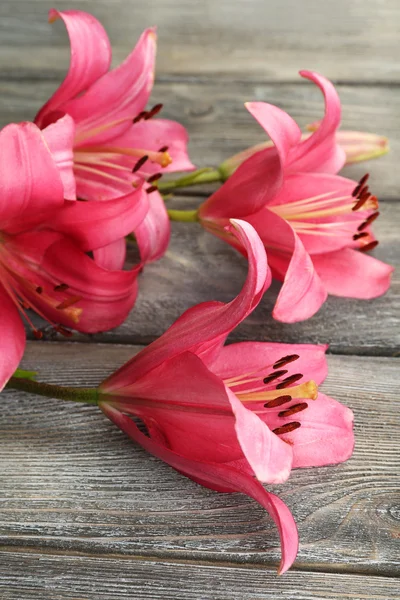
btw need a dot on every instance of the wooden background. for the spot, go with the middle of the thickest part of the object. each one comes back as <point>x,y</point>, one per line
<point>86,515</point>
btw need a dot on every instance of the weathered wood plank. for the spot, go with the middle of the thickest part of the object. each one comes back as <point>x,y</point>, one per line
<point>29,576</point>
<point>70,481</point>
<point>199,267</point>
<point>349,40</point>
<point>219,126</point>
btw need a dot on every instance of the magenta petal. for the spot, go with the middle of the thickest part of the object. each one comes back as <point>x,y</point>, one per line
<point>30,183</point>
<point>12,338</point>
<point>111,257</point>
<point>153,135</point>
<point>96,224</point>
<point>59,137</point>
<point>302,292</point>
<point>106,296</point>
<point>257,179</point>
<point>120,94</point>
<point>320,152</point>
<point>153,233</point>
<point>218,476</point>
<point>203,328</point>
<point>352,274</point>
<point>259,357</point>
<point>90,59</point>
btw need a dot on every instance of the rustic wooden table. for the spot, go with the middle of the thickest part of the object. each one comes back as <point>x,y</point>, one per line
<point>85,514</point>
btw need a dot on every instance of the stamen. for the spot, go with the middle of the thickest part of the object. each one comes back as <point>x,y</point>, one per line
<point>140,116</point>
<point>356,190</point>
<point>357,236</point>
<point>140,163</point>
<point>277,401</point>
<point>155,110</point>
<point>164,149</point>
<point>287,428</point>
<point>288,381</point>
<point>307,390</point>
<point>62,287</point>
<point>369,246</point>
<point>285,360</point>
<point>368,221</point>
<point>361,201</point>
<point>65,332</point>
<point>274,376</point>
<point>293,409</point>
<point>154,177</point>
<point>364,179</point>
<point>68,302</point>
<point>150,189</point>
<point>38,334</point>
<point>39,290</point>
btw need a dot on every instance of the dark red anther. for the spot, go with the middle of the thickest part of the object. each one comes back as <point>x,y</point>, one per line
<point>361,201</point>
<point>65,332</point>
<point>61,288</point>
<point>277,401</point>
<point>364,179</point>
<point>288,381</point>
<point>39,290</point>
<point>369,246</point>
<point>287,428</point>
<point>285,360</point>
<point>140,116</point>
<point>68,302</point>
<point>357,236</point>
<point>154,177</point>
<point>140,163</point>
<point>274,376</point>
<point>163,149</point>
<point>356,190</point>
<point>150,189</point>
<point>38,334</point>
<point>368,221</point>
<point>155,110</point>
<point>293,409</point>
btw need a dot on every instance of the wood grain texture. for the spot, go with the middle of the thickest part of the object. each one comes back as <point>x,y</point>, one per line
<point>219,125</point>
<point>70,481</point>
<point>348,40</point>
<point>199,267</point>
<point>51,577</point>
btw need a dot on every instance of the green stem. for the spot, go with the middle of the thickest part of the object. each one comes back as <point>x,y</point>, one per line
<point>187,216</point>
<point>74,394</point>
<point>206,175</point>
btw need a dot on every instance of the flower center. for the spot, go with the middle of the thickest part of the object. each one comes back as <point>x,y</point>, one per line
<point>17,276</point>
<point>254,387</point>
<point>333,214</point>
<point>119,164</point>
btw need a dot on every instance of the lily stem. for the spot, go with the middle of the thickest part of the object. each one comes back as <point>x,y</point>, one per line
<point>207,175</point>
<point>74,394</point>
<point>187,216</point>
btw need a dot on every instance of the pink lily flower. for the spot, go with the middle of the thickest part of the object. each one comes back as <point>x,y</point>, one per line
<point>111,132</point>
<point>43,244</point>
<point>312,222</point>
<point>232,417</point>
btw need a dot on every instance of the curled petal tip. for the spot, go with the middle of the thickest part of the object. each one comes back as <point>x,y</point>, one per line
<point>53,15</point>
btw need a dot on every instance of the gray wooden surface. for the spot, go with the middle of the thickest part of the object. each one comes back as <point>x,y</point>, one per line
<point>86,515</point>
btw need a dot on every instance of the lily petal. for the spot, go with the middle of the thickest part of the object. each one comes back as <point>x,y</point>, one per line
<point>59,137</point>
<point>352,274</point>
<point>326,434</point>
<point>218,476</point>
<point>112,256</point>
<point>96,224</point>
<point>30,183</point>
<point>154,232</point>
<point>90,59</point>
<point>119,94</point>
<point>302,292</point>
<point>12,338</point>
<point>259,178</point>
<point>259,357</point>
<point>321,152</point>
<point>203,328</point>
